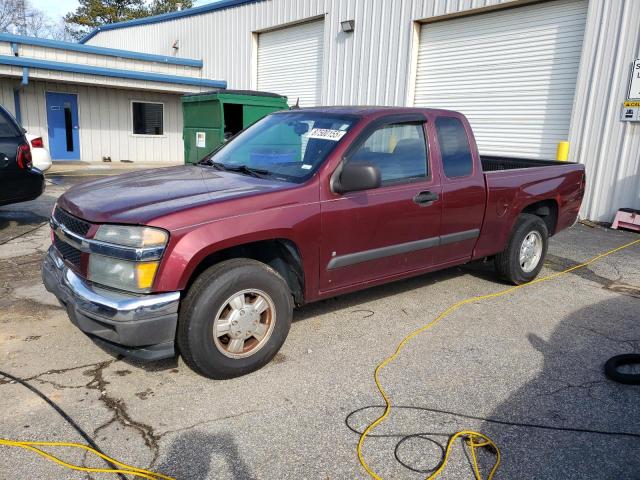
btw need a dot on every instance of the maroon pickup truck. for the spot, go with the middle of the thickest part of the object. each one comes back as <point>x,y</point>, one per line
<point>210,260</point>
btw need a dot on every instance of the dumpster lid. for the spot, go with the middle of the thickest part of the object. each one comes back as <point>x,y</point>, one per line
<point>253,93</point>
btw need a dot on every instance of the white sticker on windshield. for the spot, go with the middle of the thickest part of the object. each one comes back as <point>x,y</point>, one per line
<point>306,166</point>
<point>327,134</point>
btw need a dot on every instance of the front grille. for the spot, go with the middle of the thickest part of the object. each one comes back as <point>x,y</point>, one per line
<point>69,253</point>
<point>71,223</point>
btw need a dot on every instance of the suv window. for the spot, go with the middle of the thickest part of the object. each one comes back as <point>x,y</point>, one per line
<point>454,147</point>
<point>399,150</point>
<point>8,126</point>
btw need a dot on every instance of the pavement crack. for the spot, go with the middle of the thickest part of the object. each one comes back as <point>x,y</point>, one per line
<point>118,407</point>
<point>55,371</point>
<point>204,422</point>
<point>632,343</point>
<point>567,386</point>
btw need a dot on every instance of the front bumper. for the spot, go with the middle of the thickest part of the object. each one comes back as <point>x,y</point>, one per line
<point>139,326</point>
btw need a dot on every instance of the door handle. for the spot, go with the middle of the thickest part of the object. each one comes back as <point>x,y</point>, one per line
<point>425,198</point>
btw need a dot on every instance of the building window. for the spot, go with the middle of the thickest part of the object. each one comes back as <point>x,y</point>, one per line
<point>148,118</point>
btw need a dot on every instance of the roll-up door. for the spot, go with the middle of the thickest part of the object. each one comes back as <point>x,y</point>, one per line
<point>512,72</point>
<point>290,62</point>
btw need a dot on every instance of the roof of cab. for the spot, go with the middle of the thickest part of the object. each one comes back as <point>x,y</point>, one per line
<point>367,110</point>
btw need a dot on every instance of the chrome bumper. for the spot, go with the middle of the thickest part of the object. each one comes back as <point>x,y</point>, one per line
<point>141,326</point>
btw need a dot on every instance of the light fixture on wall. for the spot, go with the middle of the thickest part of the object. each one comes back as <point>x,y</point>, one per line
<point>347,25</point>
<point>176,45</point>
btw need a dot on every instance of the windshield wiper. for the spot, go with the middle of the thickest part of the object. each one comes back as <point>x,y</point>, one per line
<point>254,172</point>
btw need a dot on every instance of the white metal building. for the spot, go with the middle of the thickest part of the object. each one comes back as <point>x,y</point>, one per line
<point>89,103</point>
<point>527,73</point>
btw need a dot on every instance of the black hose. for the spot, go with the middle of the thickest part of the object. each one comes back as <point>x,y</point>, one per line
<point>403,437</point>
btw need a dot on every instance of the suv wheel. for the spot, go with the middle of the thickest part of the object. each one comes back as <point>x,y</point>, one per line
<point>234,319</point>
<point>522,261</point>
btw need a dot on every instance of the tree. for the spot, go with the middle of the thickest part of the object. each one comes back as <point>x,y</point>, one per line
<point>165,6</point>
<point>20,17</point>
<point>95,13</point>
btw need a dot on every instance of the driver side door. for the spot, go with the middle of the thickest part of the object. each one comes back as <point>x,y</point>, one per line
<point>376,234</point>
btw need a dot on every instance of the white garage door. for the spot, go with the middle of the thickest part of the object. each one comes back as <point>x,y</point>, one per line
<point>512,72</point>
<point>290,62</point>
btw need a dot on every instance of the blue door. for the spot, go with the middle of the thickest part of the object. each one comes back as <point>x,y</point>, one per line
<point>62,118</point>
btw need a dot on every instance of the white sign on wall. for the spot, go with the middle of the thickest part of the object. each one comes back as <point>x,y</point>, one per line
<point>201,139</point>
<point>634,88</point>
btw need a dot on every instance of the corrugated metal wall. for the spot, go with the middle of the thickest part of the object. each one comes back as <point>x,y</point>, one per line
<point>98,60</point>
<point>373,65</point>
<point>609,148</point>
<point>104,121</point>
<point>224,40</point>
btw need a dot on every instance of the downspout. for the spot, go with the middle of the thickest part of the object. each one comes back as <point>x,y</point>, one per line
<point>17,88</point>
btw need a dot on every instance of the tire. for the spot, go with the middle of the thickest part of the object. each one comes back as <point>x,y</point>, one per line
<point>612,365</point>
<point>215,299</point>
<point>508,264</point>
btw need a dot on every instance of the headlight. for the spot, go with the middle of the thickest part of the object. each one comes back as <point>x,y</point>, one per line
<point>121,273</point>
<point>132,236</point>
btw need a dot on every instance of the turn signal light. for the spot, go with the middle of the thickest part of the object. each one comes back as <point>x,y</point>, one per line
<point>145,273</point>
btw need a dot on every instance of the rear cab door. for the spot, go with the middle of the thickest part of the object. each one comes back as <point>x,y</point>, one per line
<point>463,187</point>
<point>388,231</point>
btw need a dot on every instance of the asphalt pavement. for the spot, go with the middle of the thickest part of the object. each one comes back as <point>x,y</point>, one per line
<point>533,358</point>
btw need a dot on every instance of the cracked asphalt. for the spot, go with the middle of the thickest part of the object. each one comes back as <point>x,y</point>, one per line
<point>532,357</point>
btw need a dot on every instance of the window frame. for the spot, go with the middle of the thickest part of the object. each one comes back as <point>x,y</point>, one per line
<point>145,135</point>
<point>471,155</point>
<point>386,121</point>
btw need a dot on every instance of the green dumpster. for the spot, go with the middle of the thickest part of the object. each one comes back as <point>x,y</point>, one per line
<point>211,118</point>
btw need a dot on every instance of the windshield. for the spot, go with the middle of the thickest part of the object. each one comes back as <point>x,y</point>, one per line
<point>286,146</point>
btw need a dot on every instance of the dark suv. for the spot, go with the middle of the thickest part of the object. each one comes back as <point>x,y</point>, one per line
<point>19,181</point>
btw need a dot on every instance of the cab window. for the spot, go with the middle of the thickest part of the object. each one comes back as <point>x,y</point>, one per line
<point>398,150</point>
<point>454,147</point>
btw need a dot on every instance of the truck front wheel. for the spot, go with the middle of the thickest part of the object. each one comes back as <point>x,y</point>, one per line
<point>523,258</point>
<point>234,319</point>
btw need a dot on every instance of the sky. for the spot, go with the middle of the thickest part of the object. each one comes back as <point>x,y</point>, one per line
<point>57,9</point>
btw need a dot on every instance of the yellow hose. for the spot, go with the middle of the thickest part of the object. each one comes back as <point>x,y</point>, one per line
<point>470,435</point>
<point>125,470</point>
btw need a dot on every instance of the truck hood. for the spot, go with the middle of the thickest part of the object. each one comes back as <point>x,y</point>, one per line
<point>142,196</point>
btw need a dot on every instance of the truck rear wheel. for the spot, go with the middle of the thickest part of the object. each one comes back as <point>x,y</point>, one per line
<point>523,258</point>
<point>234,319</point>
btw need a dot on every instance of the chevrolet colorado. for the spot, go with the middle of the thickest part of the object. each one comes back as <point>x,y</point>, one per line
<point>209,261</point>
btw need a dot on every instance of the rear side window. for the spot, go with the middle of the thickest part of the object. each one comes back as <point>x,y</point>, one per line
<point>454,147</point>
<point>8,126</point>
<point>398,150</point>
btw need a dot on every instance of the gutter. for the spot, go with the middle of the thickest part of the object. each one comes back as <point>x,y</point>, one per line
<point>108,72</point>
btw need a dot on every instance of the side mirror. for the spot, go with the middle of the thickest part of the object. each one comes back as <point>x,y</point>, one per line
<point>356,176</point>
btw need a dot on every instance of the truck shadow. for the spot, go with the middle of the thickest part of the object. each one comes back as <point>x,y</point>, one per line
<point>190,455</point>
<point>571,391</point>
<point>481,270</point>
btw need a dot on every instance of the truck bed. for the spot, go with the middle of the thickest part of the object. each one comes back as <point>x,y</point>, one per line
<point>491,163</point>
